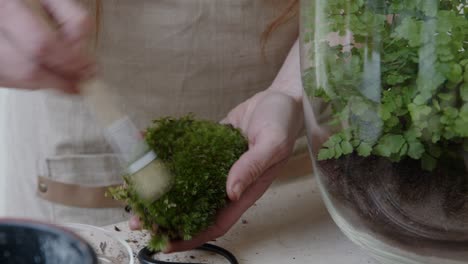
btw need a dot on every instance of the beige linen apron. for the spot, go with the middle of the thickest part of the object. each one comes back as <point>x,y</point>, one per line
<point>162,57</point>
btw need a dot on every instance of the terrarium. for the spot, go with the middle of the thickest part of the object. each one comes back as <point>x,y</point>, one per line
<point>387,82</point>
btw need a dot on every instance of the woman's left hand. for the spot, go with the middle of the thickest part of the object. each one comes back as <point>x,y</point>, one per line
<point>271,120</point>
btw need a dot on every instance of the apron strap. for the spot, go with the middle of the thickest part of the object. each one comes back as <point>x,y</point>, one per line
<point>75,195</point>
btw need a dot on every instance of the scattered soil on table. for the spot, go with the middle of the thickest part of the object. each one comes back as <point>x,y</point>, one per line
<point>103,247</point>
<point>402,201</point>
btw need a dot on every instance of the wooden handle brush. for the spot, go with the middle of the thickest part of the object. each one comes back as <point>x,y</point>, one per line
<point>149,174</point>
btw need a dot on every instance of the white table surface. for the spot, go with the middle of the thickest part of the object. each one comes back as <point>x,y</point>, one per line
<point>289,224</point>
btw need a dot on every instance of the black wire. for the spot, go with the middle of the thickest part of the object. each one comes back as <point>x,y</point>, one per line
<point>145,256</point>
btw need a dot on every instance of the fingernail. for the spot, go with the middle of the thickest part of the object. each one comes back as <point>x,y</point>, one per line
<point>238,189</point>
<point>134,223</point>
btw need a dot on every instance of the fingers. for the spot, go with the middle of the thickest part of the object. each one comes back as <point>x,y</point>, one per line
<point>34,39</point>
<point>24,28</point>
<point>69,56</point>
<point>134,223</point>
<point>266,150</point>
<point>73,18</point>
<point>229,215</point>
<point>19,72</point>
<point>270,122</point>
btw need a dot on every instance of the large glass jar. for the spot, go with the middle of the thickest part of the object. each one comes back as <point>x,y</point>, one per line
<point>387,82</point>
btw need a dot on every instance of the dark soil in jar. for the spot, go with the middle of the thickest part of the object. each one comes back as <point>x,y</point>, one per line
<point>401,201</point>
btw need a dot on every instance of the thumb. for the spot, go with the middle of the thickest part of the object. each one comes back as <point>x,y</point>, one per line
<point>252,164</point>
<point>134,223</point>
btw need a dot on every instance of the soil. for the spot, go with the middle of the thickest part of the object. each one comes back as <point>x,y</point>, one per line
<point>401,201</point>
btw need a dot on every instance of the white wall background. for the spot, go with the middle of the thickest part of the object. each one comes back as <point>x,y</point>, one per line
<point>2,149</point>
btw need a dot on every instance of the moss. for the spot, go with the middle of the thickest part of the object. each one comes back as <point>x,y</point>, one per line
<point>199,154</point>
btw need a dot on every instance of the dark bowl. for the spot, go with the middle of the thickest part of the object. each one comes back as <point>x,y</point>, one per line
<point>30,242</point>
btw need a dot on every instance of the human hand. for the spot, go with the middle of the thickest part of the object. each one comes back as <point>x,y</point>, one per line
<point>271,120</point>
<point>34,55</point>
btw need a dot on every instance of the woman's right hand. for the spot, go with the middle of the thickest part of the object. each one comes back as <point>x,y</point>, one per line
<point>34,54</point>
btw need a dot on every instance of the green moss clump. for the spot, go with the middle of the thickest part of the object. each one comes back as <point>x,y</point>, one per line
<point>199,155</point>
